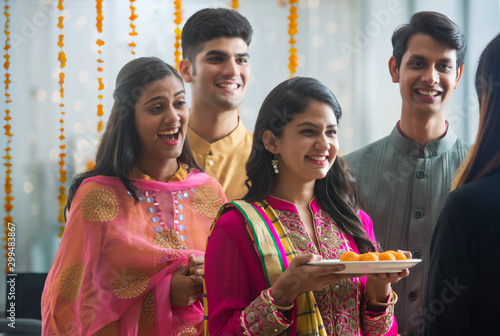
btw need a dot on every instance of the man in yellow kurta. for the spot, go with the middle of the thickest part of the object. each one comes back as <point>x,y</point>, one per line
<point>215,50</point>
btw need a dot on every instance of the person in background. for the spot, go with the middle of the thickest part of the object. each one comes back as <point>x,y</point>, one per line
<point>404,178</point>
<point>215,63</point>
<point>300,207</point>
<point>131,258</point>
<point>461,296</point>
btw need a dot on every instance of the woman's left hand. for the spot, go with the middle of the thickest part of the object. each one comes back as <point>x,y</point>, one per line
<point>195,265</point>
<point>385,278</point>
<point>378,285</point>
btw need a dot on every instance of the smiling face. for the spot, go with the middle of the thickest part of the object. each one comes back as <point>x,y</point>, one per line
<point>427,75</point>
<point>161,117</point>
<point>219,74</point>
<point>308,145</point>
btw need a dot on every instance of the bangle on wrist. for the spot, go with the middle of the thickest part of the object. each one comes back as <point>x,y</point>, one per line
<point>267,298</point>
<point>393,299</point>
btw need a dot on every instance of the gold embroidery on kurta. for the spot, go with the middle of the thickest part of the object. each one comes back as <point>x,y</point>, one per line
<point>299,240</point>
<point>147,316</point>
<point>99,205</point>
<point>169,239</point>
<point>130,283</point>
<point>110,329</point>
<point>332,243</point>
<point>329,235</point>
<point>189,331</point>
<point>71,281</point>
<point>379,325</point>
<point>345,307</point>
<point>261,318</point>
<point>206,201</point>
<point>251,317</point>
<point>296,232</point>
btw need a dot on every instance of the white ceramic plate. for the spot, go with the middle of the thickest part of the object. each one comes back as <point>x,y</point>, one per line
<point>363,267</point>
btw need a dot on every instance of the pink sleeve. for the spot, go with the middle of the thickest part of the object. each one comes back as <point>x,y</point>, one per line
<point>367,225</point>
<point>377,324</point>
<point>234,281</point>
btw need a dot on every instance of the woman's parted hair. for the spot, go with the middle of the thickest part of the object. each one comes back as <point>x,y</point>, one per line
<point>119,148</point>
<point>335,192</point>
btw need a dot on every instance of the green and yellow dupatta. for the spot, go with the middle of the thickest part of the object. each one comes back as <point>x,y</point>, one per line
<point>276,251</point>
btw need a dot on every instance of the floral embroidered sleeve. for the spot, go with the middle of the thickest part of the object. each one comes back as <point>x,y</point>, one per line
<point>262,318</point>
<point>377,323</point>
<point>238,298</point>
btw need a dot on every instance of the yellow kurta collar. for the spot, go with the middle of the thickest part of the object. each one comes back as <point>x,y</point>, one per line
<point>179,175</point>
<point>226,144</point>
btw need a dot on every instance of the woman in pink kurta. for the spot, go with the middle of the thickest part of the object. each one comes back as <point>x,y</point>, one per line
<point>300,195</point>
<point>131,257</point>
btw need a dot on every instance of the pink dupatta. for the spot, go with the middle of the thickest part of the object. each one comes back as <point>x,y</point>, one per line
<point>112,272</point>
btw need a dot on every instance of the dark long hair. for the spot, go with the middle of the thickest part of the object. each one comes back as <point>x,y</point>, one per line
<point>336,191</point>
<point>119,149</point>
<point>484,156</point>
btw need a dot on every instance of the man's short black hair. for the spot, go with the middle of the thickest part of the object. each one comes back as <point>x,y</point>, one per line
<point>212,23</point>
<point>435,25</point>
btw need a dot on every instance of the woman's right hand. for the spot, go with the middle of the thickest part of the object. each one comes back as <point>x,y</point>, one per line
<point>184,291</point>
<point>300,277</point>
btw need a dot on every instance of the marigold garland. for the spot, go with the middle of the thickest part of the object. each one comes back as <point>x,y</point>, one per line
<point>292,30</point>
<point>62,179</point>
<point>100,43</point>
<point>235,4</point>
<point>8,165</point>
<point>133,33</point>
<point>178,32</point>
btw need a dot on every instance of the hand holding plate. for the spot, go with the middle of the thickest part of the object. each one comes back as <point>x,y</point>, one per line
<point>301,277</point>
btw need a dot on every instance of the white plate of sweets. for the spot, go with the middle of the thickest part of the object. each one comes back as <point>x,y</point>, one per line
<point>370,266</point>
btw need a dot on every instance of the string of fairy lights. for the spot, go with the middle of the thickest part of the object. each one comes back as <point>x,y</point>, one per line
<point>61,57</point>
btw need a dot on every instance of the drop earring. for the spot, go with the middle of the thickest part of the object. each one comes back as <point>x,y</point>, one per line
<point>274,162</point>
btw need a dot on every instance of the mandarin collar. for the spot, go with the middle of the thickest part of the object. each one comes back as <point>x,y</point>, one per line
<point>284,205</point>
<point>179,175</point>
<point>225,144</point>
<point>410,147</point>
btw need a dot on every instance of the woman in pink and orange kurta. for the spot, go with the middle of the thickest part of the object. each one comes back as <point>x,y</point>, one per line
<point>131,257</point>
<point>300,208</point>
